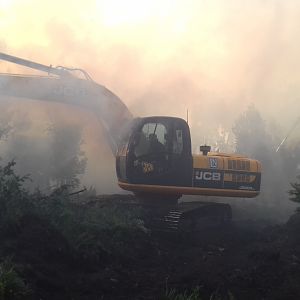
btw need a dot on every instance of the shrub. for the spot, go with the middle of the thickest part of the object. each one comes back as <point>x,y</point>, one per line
<point>295,192</point>
<point>14,200</point>
<point>174,295</point>
<point>91,231</point>
<point>12,285</point>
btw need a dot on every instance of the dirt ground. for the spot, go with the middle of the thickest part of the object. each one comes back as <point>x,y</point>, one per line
<point>245,259</point>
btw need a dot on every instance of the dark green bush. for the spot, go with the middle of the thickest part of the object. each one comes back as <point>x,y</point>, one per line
<point>14,199</point>
<point>92,232</point>
<point>174,295</point>
<point>295,192</point>
<point>12,286</point>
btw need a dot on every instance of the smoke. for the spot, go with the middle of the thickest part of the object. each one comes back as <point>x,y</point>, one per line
<point>192,53</point>
<point>213,58</point>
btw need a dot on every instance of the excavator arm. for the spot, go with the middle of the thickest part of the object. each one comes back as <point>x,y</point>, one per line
<point>62,86</point>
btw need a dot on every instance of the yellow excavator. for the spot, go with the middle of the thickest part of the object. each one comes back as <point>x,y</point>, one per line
<point>153,154</point>
<point>156,158</point>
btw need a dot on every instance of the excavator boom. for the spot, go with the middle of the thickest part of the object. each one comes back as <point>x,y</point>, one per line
<point>65,88</point>
<point>33,65</point>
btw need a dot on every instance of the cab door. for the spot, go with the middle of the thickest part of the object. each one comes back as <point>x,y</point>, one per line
<point>182,159</point>
<point>160,152</point>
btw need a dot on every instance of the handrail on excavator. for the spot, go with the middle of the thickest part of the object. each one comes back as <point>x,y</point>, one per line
<point>33,65</point>
<point>112,113</point>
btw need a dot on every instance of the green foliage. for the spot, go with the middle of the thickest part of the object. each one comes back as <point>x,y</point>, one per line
<point>56,207</point>
<point>12,285</point>
<point>52,156</point>
<point>14,200</point>
<point>217,296</point>
<point>174,295</point>
<point>67,159</point>
<point>90,232</point>
<point>295,192</point>
<point>10,183</point>
<point>195,295</point>
<point>115,216</point>
<point>103,229</point>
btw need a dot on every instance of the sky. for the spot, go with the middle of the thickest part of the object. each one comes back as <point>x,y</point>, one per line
<point>191,52</point>
<point>213,58</point>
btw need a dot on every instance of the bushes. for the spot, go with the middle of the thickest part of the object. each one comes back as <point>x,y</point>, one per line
<point>195,294</point>
<point>105,226</point>
<point>174,295</point>
<point>295,192</point>
<point>12,285</point>
<point>14,200</point>
<point>45,232</point>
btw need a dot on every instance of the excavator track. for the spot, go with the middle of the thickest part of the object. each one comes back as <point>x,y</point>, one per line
<point>186,216</point>
<point>172,219</point>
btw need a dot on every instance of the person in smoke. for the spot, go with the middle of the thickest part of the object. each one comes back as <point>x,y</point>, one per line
<point>141,145</point>
<point>155,146</point>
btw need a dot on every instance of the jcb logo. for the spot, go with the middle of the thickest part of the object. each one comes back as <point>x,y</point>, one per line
<point>209,176</point>
<point>147,167</point>
<point>67,91</point>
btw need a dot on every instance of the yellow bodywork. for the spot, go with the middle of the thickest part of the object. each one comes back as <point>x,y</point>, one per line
<point>237,170</point>
<point>228,163</point>
<point>202,162</point>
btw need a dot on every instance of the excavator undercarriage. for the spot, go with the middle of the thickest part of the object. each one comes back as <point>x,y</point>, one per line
<point>187,217</point>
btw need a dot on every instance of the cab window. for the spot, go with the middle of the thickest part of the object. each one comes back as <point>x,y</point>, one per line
<point>151,139</point>
<point>178,142</point>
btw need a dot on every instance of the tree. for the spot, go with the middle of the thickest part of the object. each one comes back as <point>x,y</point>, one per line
<point>4,130</point>
<point>5,126</point>
<point>295,192</point>
<point>254,140</point>
<point>52,157</point>
<point>67,160</point>
<point>290,160</point>
<point>251,135</point>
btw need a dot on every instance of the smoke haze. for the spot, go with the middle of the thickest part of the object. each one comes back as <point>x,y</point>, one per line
<point>214,58</point>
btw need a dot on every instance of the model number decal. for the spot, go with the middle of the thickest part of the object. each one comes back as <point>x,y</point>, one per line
<point>208,176</point>
<point>213,163</point>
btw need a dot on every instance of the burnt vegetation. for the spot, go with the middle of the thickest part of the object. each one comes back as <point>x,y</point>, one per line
<point>59,244</point>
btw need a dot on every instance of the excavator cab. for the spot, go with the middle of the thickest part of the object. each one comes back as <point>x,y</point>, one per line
<point>157,152</point>
<point>155,158</point>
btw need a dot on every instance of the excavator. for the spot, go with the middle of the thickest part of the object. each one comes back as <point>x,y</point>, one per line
<point>153,154</point>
